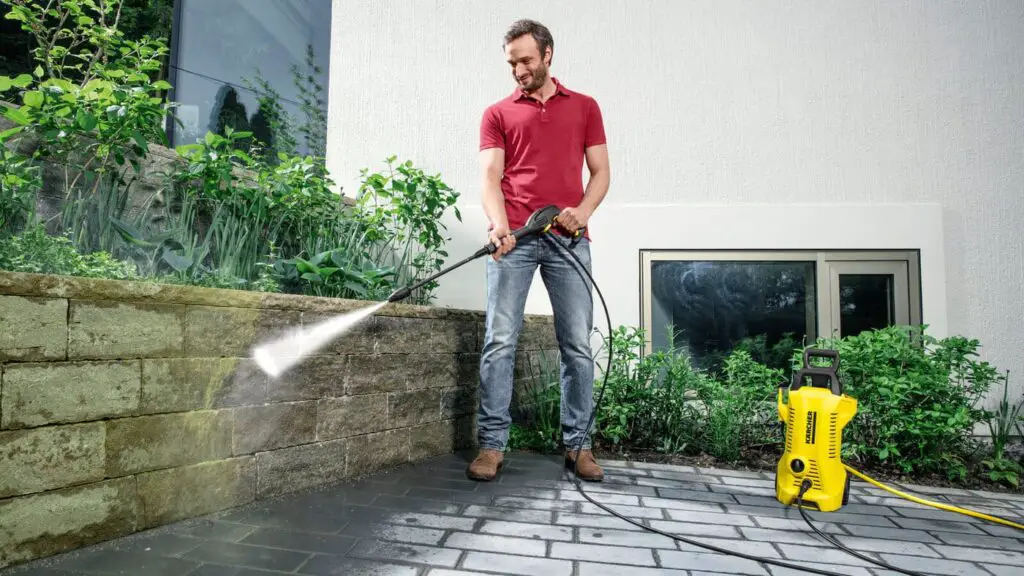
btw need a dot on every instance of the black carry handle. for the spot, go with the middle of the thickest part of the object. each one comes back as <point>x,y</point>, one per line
<point>820,376</point>
<point>821,353</point>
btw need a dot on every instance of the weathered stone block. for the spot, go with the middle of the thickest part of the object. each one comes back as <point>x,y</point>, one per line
<point>351,415</point>
<point>359,339</point>
<point>105,329</point>
<point>259,428</point>
<point>52,457</point>
<point>372,373</point>
<point>442,437</point>
<point>411,408</point>
<point>418,335</point>
<point>61,392</point>
<point>468,371</point>
<point>34,328</point>
<point>300,467</point>
<point>316,377</point>
<point>180,493</point>
<point>184,384</point>
<point>220,331</point>
<point>166,441</point>
<point>376,452</point>
<point>458,401</point>
<point>52,522</point>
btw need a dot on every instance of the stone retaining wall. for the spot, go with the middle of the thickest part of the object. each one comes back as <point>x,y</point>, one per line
<point>124,406</point>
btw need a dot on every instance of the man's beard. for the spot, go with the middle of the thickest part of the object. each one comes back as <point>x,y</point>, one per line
<point>539,77</point>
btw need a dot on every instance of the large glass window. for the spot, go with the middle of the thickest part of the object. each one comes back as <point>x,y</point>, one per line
<point>253,65</point>
<point>708,303</point>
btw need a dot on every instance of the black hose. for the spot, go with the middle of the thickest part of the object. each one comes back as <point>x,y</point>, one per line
<point>586,433</point>
<point>828,537</point>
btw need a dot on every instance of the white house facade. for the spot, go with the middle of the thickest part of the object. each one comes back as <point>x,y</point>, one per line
<point>871,153</point>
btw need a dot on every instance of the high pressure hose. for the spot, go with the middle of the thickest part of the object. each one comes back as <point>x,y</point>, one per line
<point>581,269</point>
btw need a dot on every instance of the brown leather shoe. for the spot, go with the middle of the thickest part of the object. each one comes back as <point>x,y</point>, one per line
<point>587,468</point>
<point>486,465</point>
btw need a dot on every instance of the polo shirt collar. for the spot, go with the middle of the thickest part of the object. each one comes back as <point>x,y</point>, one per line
<point>559,90</point>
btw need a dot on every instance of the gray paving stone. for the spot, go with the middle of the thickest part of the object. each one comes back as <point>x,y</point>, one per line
<point>534,504</point>
<point>937,525</point>
<point>300,541</point>
<point>735,473</point>
<point>760,549</point>
<point>987,555</point>
<point>535,516</point>
<point>634,512</point>
<point>527,530</point>
<point>396,533</point>
<point>675,504</point>
<point>325,565</point>
<point>755,482</point>
<point>957,539</point>
<point>837,568</point>
<point>629,538</point>
<point>798,525</point>
<point>495,543</point>
<point>593,521</point>
<point>447,572</point>
<point>391,551</point>
<point>234,554</point>
<point>783,536</point>
<point>710,562</point>
<point>934,565</point>
<point>594,569</point>
<point>605,554</point>
<point>906,535</point>
<point>710,518</point>
<point>1002,570</point>
<point>696,495</point>
<point>688,529</point>
<point>511,564</point>
<point>861,544</point>
<point>999,530</point>
<point>822,555</point>
<point>117,562</point>
<point>687,477</point>
<point>602,497</point>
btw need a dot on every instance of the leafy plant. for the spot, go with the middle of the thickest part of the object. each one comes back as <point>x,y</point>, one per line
<point>401,210</point>
<point>1001,425</point>
<point>35,251</point>
<point>917,398</point>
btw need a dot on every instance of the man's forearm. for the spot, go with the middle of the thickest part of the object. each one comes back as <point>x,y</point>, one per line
<point>597,189</point>
<point>494,203</point>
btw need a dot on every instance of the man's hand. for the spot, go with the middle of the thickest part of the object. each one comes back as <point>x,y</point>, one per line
<point>503,239</point>
<point>572,219</point>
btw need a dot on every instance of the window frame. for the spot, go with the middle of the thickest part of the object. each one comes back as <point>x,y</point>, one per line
<point>822,322</point>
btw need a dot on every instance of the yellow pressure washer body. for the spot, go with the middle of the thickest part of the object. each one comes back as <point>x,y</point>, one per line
<point>815,413</point>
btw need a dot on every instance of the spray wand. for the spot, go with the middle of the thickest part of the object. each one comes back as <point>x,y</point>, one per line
<point>540,222</point>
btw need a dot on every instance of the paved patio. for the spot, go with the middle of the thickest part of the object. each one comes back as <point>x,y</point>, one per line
<point>428,520</point>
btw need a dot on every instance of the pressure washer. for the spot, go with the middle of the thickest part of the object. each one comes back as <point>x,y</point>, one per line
<point>810,473</point>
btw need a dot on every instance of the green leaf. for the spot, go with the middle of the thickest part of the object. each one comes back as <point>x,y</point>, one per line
<point>85,120</point>
<point>34,99</point>
<point>38,72</point>
<point>18,116</point>
<point>8,133</point>
<point>162,85</point>
<point>6,83</point>
<point>22,81</point>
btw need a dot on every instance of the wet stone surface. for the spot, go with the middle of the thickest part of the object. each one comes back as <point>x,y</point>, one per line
<point>429,520</point>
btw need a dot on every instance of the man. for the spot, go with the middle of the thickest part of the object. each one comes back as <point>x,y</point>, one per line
<point>533,145</point>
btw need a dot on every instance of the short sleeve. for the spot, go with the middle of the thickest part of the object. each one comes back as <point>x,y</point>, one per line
<point>595,126</point>
<point>491,135</point>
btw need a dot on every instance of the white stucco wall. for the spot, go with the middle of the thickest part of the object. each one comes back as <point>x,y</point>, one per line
<point>732,124</point>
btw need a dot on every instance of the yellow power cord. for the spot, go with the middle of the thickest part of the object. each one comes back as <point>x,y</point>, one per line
<point>939,505</point>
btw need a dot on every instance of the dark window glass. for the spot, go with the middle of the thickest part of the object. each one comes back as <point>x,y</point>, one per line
<point>709,308</point>
<point>254,65</point>
<point>866,302</point>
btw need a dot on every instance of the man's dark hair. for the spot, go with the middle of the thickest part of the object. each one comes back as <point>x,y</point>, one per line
<point>541,35</point>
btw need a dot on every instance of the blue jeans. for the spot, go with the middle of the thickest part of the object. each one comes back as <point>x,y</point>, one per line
<point>569,289</point>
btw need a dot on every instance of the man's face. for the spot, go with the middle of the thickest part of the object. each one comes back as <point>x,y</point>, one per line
<point>529,70</point>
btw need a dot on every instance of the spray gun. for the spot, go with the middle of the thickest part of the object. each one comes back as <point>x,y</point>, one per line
<point>539,223</point>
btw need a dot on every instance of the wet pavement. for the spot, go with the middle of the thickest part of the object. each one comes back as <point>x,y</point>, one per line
<point>429,520</point>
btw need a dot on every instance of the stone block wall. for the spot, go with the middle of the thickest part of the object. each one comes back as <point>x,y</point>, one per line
<point>125,406</point>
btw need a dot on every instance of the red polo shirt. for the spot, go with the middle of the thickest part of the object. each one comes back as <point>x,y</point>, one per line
<point>544,148</point>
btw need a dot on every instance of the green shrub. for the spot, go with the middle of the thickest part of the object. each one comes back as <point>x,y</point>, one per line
<point>35,251</point>
<point>917,399</point>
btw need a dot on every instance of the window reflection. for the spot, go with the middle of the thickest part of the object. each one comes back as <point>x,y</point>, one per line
<point>254,65</point>
<point>709,308</point>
